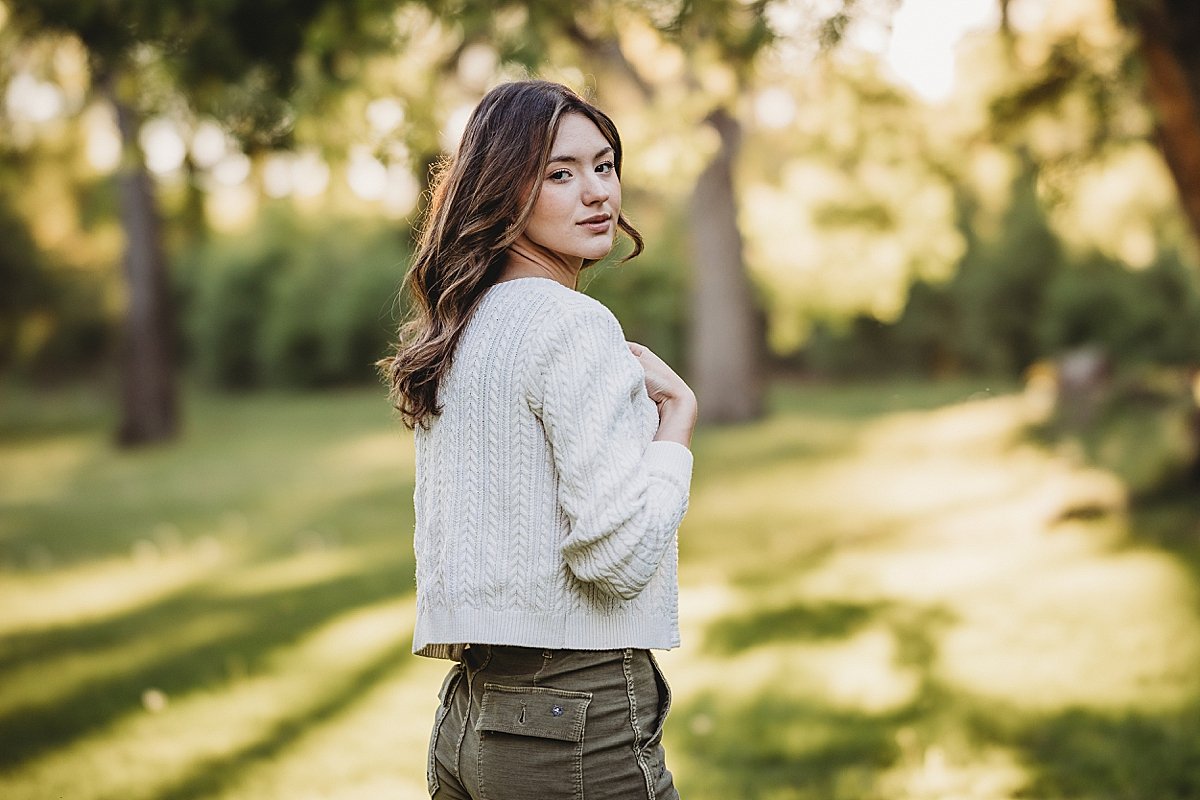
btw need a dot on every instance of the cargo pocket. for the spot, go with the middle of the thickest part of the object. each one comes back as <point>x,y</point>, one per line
<point>445,698</point>
<point>531,742</point>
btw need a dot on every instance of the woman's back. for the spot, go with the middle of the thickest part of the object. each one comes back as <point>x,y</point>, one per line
<point>544,515</point>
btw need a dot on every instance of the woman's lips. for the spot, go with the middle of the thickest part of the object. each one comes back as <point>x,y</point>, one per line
<point>597,224</point>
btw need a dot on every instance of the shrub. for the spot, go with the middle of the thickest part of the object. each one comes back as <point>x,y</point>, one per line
<point>292,303</point>
<point>1148,316</point>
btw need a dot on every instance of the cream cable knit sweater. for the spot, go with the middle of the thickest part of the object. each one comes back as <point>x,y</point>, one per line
<point>546,516</point>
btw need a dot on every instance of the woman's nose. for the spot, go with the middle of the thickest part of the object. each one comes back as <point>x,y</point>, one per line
<point>595,189</point>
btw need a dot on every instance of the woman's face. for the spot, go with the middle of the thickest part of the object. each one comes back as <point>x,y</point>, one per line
<point>576,212</point>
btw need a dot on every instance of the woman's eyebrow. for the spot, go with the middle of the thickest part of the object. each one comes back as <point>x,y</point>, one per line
<point>574,160</point>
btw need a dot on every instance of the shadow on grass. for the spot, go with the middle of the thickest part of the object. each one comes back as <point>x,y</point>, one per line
<point>775,746</point>
<point>212,776</point>
<point>799,622</point>
<point>273,620</point>
<point>94,522</point>
<point>1171,522</point>
<point>1115,756</point>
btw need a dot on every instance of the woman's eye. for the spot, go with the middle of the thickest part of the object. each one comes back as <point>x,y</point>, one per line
<point>606,167</point>
<point>559,175</point>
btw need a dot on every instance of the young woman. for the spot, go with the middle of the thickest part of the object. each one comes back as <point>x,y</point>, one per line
<point>553,468</point>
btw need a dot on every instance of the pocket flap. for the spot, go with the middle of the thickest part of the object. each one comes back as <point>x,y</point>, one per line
<point>533,711</point>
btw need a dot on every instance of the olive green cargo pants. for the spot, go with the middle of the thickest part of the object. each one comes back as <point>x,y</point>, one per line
<point>518,723</point>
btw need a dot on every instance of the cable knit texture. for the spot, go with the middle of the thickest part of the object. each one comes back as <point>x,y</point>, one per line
<point>546,515</point>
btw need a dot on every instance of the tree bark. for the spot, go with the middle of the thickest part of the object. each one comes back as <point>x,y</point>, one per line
<point>726,332</point>
<point>149,401</point>
<point>1175,101</point>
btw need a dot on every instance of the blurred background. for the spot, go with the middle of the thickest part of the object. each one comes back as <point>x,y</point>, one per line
<point>930,265</point>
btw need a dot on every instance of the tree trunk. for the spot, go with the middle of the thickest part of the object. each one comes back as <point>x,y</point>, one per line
<point>1174,99</point>
<point>726,336</point>
<point>149,406</point>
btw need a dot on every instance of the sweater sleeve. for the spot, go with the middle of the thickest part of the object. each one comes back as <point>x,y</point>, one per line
<point>623,496</point>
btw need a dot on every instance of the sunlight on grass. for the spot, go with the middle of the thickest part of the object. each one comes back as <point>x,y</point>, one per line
<point>387,725</point>
<point>861,672</point>
<point>888,592</point>
<point>952,514</point>
<point>315,563</point>
<point>27,684</point>
<point>197,738</point>
<point>1048,617</point>
<point>385,453</point>
<point>938,773</point>
<point>42,470</point>
<point>102,589</point>
<point>1099,632</point>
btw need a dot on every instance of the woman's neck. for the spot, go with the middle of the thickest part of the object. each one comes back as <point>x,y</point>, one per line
<point>528,260</point>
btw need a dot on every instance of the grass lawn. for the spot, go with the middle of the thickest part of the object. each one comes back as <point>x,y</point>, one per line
<point>888,591</point>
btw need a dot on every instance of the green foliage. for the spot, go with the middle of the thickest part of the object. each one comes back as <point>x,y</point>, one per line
<point>845,210</point>
<point>297,304</point>
<point>863,347</point>
<point>1142,425</point>
<point>52,319</point>
<point>1152,315</point>
<point>1001,283</point>
<point>27,288</point>
<point>1018,297</point>
<point>81,334</point>
<point>224,286</point>
<point>292,303</point>
<point>1150,446</point>
<point>238,61</point>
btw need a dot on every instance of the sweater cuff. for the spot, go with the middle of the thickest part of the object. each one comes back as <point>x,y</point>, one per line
<point>671,459</point>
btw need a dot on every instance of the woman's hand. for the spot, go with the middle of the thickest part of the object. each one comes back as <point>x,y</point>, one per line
<point>677,407</point>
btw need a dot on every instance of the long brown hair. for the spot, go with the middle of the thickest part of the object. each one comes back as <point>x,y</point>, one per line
<point>480,204</point>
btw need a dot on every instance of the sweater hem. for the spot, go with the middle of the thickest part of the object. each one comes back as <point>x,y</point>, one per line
<point>550,631</point>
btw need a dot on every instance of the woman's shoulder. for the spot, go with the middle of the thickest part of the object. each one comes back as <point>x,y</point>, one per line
<point>520,290</point>
<point>568,337</point>
<point>557,306</point>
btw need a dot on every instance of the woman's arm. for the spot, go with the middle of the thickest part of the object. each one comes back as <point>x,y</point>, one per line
<point>623,497</point>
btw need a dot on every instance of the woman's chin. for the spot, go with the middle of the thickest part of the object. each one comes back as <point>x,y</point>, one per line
<point>596,251</point>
